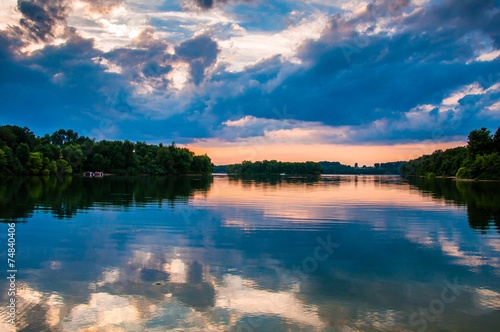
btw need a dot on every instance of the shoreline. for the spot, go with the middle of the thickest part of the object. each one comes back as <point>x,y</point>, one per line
<point>457,179</point>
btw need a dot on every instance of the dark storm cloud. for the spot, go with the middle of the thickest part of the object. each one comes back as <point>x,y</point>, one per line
<point>147,57</point>
<point>205,3</point>
<point>39,17</point>
<point>58,86</point>
<point>355,79</point>
<point>209,4</point>
<point>383,8</point>
<point>200,52</point>
<point>69,85</point>
<point>459,17</point>
<point>350,76</point>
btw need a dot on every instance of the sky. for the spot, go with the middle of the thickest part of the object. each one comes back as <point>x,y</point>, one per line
<point>349,81</point>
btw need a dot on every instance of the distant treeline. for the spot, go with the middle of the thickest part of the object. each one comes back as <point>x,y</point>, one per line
<point>378,169</point>
<point>274,167</point>
<point>479,160</point>
<point>65,152</point>
<point>324,167</point>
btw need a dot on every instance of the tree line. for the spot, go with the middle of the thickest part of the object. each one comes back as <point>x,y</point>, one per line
<point>378,169</point>
<point>479,160</point>
<point>327,167</point>
<point>274,167</point>
<point>65,152</point>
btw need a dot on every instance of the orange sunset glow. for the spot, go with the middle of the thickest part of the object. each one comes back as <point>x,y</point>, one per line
<point>346,154</point>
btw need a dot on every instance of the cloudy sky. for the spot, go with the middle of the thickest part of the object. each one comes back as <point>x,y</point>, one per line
<point>350,81</point>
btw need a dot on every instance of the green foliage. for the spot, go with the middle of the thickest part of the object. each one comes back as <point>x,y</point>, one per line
<point>479,160</point>
<point>274,167</point>
<point>74,155</point>
<point>486,167</point>
<point>53,167</point>
<point>50,151</point>
<point>480,143</point>
<point>65,152</point>
<point>441,163</point>
<point>23,153</point>
<point>3,161</point>
<point>202,165</point>
<point>35,163</point>
<point>3,158</point>
<point>7,136</point>
<point>463,173</point>
<point>380,168</point>
<point>496,141</point>
<point>63,167</point>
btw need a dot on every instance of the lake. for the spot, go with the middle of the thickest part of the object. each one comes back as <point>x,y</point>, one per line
<point>219,253</point>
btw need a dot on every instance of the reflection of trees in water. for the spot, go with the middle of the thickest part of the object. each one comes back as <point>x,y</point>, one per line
<point>21,196</point>
<point>273,179</point>
<point>482,199</point>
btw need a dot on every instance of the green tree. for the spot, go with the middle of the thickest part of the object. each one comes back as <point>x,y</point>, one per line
<point>35,163</point>
<point>3,160</point>
<point>480,142</point>
<point>53,167</point>
<point>99,163</point>
<point>182,159</point>
<point>119,161</point>
<point>202,164</point>
<point>463,173</point>
<point>73,155</point>
<point>496,140</point>
<point>63,167</point>
<point>58,137</point>
<point>50,151</point>
<point>82,152</point>
<point>486,167</point>
<point>8,136</point>
<point>165,160</point>
<point>23,153</point>
<point>46,166</point>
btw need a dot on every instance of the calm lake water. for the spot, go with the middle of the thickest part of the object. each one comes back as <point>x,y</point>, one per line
<point>332,253</point>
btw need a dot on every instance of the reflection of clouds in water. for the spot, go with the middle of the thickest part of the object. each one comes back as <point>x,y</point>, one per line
<point>381,206</point>
<point>236,294</point>
<point>6,327</point>
<point>216,305</point>
<point>486,299</point>
<point>106,312</point>
<point>454,244</point>
<point>55,304</point>
<point>187,285</point>
<point>203,273</point>
<point>384,320</point>
<point>177,270</point>
<point>452,248</point>
<point>34,308</point>
<point>109,275</point>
